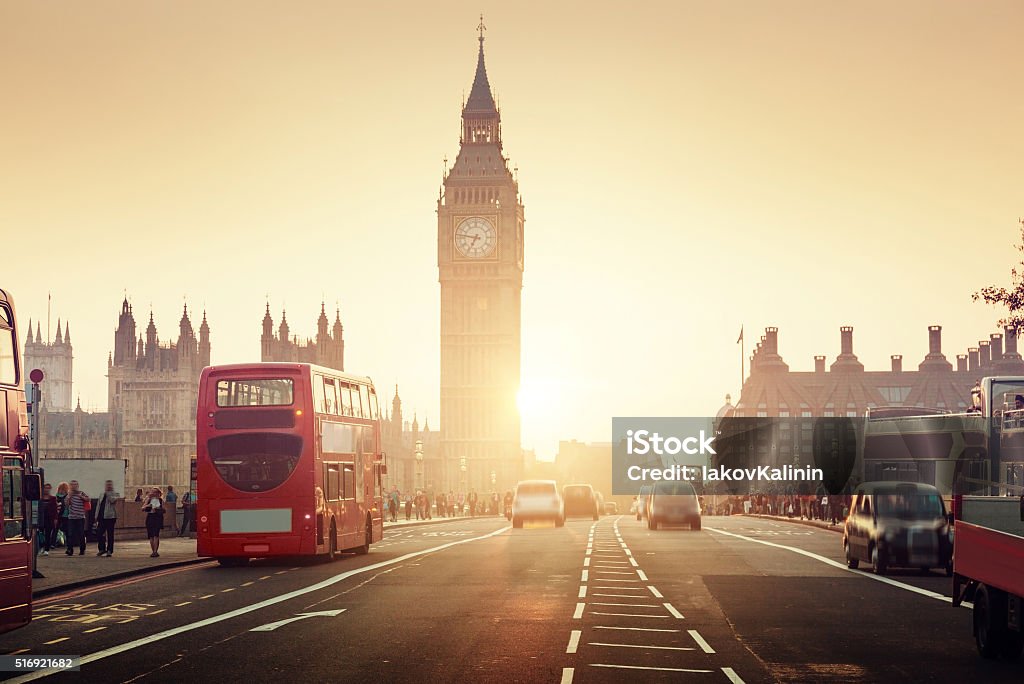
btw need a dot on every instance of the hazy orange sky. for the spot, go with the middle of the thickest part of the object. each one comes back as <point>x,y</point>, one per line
<point>687,167</point>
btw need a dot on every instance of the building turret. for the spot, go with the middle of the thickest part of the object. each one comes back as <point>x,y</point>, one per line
<point>204,342</point>
<point>67,334</point>
<point>28,340</point>
<point>152,353</point>
<point>59,339</point>
<point>322,337</point>
<point>338,340</point>
<point>282,331</point>
<point>124,336</point>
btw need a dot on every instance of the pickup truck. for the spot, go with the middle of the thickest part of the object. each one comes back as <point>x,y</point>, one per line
<point>988,569</point>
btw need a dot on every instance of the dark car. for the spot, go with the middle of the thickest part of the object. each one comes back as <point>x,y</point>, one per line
<point>898,524</point>
<point>673,503</point>
<point>580,500</point>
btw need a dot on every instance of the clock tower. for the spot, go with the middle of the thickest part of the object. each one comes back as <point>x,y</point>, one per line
<point>480,268</point>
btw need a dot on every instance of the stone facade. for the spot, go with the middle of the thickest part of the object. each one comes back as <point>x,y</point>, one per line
<point>328,349</point>
<point>151,400</point>
<point>847,389</point>
<point>55,359</point>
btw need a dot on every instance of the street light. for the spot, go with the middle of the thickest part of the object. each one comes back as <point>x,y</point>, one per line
<point>419,464</point>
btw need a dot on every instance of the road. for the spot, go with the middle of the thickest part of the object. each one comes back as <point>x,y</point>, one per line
<point>743,600</point>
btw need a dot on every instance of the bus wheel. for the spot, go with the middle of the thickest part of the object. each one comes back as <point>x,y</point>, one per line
<point>332,552</point>
<point>365,548</point>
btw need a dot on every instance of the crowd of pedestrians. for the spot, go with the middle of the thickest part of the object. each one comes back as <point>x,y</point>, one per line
<point>70,515</point>
<point>425,505</point>
<point>826,507</point>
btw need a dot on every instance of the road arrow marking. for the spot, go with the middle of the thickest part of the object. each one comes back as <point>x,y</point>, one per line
<point>270,627</point>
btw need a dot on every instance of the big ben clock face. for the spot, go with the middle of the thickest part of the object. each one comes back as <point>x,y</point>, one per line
<point>475,237</point>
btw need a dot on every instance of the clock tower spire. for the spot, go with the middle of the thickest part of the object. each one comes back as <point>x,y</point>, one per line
<point>480,219</point>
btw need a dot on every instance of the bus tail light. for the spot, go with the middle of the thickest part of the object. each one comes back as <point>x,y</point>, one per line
<point>203,519</point>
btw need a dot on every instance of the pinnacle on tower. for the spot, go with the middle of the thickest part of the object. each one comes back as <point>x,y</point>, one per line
<point>39,338</point>
<point>28,340</point>
<point>67,333</point>
<point>480,98</point>
<point>59,339</point>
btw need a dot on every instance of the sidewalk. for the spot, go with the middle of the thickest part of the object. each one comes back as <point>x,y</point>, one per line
<point>820,524</point>
<point>130,557</point>
<point>402,522</point>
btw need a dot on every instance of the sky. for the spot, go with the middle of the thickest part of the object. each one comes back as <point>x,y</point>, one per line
<point>687,168</point>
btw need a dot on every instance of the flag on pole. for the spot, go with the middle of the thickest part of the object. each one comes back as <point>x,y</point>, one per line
<point>740,338</point>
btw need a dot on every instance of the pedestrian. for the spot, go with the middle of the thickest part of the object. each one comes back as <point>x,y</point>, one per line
<point>451,504</point>
<point>172,507</point>
<point>393,500</point>
<point>186,514</point>
<point>408,506</point>
<point>75,505</point>
<point>441,507</point>
<point>471,500</point>
<point>62,513</point>
<point>138,496</point>
<point>49,519</point>
<point>106,519</point>
<point>154,509</point>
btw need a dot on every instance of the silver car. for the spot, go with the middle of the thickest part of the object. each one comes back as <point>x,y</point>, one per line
<point>537,500</point>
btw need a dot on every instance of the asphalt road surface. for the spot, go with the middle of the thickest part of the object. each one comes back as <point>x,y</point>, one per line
<point>743,600</point>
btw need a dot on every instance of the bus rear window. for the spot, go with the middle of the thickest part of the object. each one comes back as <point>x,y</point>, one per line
<point>255,462</point>
<point>255,392</point>
<point>8,368</point>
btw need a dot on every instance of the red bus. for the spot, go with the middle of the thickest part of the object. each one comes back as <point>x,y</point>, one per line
<point>289,462</point>
<point>15,535</point>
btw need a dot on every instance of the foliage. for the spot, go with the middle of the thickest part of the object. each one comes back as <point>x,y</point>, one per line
<point>1013,297</point>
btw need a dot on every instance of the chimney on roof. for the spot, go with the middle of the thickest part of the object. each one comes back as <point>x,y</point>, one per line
<point>771,340</point>
<point>897,363</point>
<point>819,364</point>
<point>847,360</point>
<point>1010,353</point>
<point>961,362</point>
<point>935,360</point>
<point>934,339</point>
<point>996,346</point>
<point>846,340</point>
<point>973,359</point>
<point>984,353</point>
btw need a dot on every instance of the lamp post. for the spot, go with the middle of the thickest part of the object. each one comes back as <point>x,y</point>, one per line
<point>462,475</point>
<point>419,464</point>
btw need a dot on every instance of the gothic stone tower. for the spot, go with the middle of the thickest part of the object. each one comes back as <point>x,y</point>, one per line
<point>480,266</point>
<point>56,360</point>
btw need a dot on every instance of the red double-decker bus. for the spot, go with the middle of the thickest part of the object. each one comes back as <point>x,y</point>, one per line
<point>15,534</point>
<point>289,462</point>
